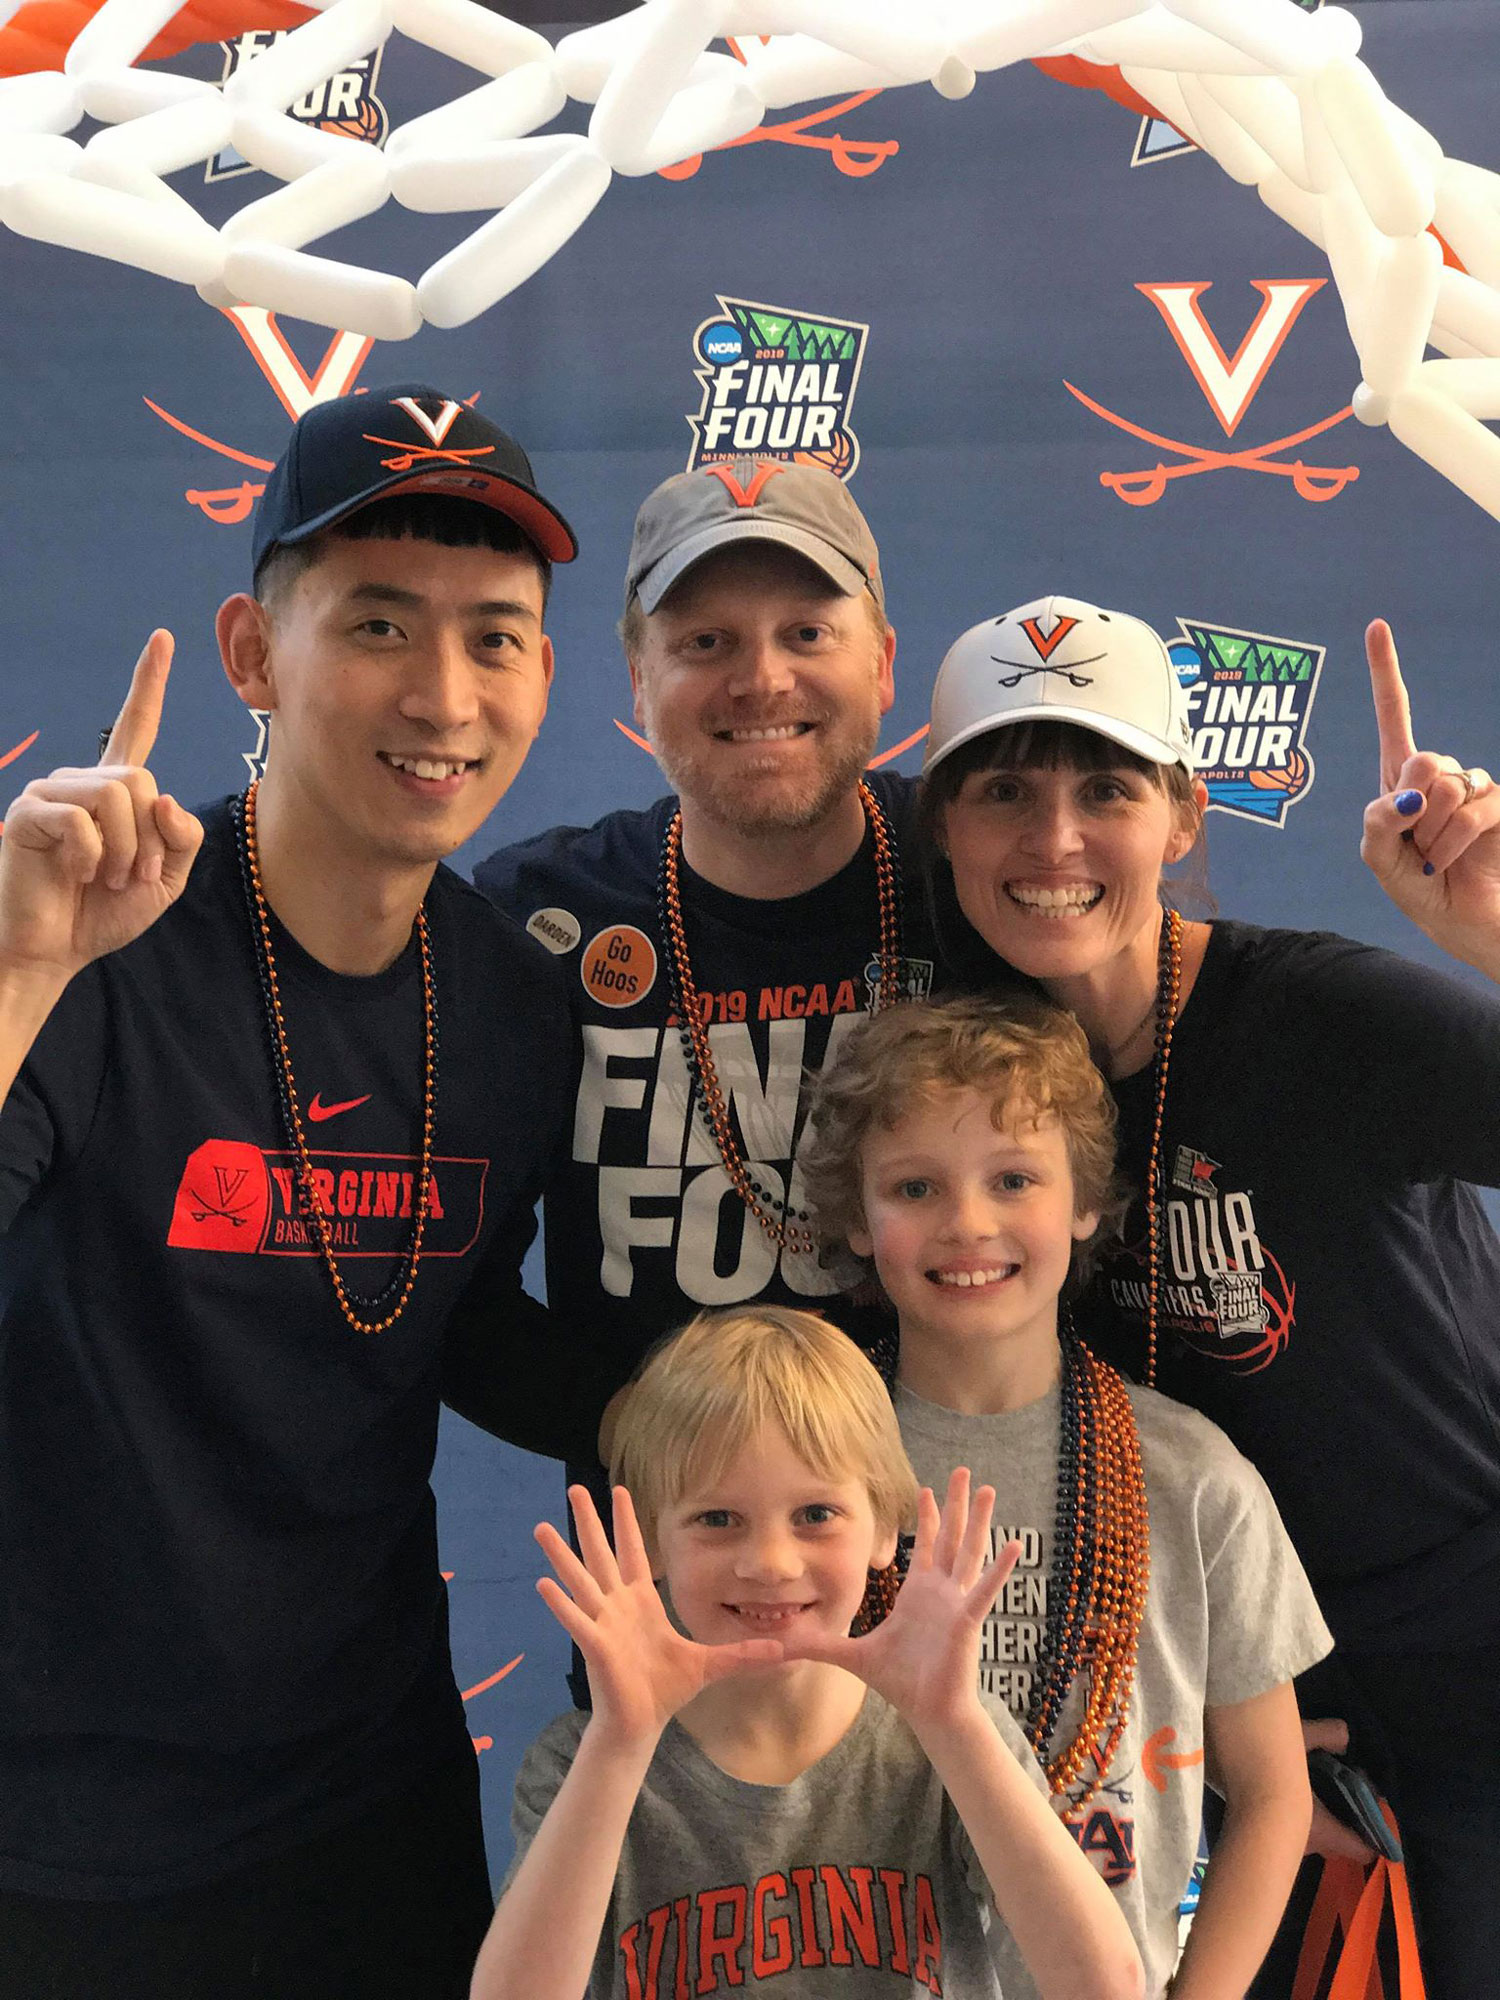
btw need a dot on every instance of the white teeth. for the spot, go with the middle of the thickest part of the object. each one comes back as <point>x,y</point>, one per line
<point>968,1279</point>
<point>424,767</point>
<point>1071,901</point>
<point>768,1614</point>
<point>782,734</point>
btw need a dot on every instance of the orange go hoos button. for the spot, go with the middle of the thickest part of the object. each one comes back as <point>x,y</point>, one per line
<point>618,966</point>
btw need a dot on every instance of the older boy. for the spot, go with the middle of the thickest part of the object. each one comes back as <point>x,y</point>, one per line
<point>1159,1612</point>
<point>262,1150</point>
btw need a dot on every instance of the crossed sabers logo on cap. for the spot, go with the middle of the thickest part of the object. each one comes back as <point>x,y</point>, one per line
<point>1022,670</point>
<point>436,428</point>
<point>1046,644</point>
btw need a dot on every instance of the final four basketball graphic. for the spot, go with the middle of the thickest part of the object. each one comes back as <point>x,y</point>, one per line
<point>777,384</point>
<point>1250,697</point>
<point>344,104</point>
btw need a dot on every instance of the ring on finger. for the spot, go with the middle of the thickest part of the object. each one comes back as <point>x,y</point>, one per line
<point>1470,785</point>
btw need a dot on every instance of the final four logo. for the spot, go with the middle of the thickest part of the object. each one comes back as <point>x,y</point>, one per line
<point>776,384</point>
<point>1250,697</point>
<point>344,104</point>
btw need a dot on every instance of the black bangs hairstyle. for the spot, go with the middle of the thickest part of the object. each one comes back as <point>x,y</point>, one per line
<point>1042,746</point>
<point>406,517</point>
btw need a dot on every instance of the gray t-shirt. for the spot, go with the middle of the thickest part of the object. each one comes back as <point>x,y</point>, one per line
<point>1229,1614</point>
<point>856,1881</point>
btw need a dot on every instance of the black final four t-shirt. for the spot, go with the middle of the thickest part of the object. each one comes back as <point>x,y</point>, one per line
<point>222,1623</point>
<point>1330,1288</point>
<point>643,1226</point>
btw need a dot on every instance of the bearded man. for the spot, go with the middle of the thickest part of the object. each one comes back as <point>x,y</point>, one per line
<point>720,943</point>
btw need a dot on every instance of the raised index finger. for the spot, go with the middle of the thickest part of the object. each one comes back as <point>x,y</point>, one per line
<point>134,733</point>
<point>1392,706</point>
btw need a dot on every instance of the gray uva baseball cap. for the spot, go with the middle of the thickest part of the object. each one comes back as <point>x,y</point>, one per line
<point>799,507</point>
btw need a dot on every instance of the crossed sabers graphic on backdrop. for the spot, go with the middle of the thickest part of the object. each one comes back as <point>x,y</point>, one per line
<point>1145,488</point>
<point>1136,489</point>
<point>228,505</point>
<point>855,157</point>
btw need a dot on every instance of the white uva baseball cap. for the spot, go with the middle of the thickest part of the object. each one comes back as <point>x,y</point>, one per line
<point>1058,659</point>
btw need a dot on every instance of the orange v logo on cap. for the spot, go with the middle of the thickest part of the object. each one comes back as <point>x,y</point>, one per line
<point>1047,643</point>
<point>744,496</point>
<point>434,428</point>
<point>438,427</point>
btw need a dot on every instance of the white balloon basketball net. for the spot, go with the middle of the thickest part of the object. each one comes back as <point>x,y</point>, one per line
<point>1278,97</point>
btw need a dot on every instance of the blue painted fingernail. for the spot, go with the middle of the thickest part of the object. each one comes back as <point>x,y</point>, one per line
<point>1409,802</point>
<point>1428,869</point>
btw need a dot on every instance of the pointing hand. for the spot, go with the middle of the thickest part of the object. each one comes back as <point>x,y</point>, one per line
<point>1432,836</point>
<point>91,857</point>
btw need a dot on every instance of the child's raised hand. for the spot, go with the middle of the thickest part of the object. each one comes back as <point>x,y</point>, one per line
<point>641,1669</point>
<point>924,1658</point>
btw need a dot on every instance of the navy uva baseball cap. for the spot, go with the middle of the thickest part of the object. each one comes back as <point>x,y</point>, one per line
<point>409,438</point>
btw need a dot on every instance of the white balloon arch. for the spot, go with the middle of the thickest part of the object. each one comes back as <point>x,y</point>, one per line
<point>1277,96</point>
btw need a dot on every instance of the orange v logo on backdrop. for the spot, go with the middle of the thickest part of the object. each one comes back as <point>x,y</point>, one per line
<point>1047,643</point>
<point>295,390</point>
<point>1230,385</point>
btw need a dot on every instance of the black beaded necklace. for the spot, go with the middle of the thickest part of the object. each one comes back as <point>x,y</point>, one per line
<point>363,1312</point>
<point>787,1226</point>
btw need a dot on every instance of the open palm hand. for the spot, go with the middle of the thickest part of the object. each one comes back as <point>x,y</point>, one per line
<point>924,1658</point>
<point>642,1670</point>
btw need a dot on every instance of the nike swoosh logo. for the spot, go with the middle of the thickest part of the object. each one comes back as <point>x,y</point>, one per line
<point>318,1110</point>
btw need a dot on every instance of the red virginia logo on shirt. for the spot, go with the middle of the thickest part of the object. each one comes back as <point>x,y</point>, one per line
<point>235,1197</point>
<point>710,1942</point>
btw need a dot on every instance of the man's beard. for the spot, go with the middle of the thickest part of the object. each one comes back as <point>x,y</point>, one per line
<point>763,805</point>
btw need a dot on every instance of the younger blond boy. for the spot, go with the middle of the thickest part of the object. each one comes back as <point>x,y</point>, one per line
<point>968,1150</point>
<point>758,1799</point>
